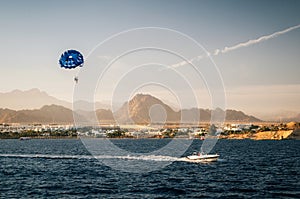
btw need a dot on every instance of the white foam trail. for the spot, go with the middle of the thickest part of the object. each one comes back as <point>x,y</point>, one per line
<point>50,156</point>
<point>146,158</point>
<point>143,158</point>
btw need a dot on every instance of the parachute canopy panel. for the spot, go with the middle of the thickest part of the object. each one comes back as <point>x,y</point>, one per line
<point>71,59</point>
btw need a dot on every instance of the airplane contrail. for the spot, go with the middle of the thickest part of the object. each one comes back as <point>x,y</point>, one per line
<point>239,45</point>
<point>255,41</point>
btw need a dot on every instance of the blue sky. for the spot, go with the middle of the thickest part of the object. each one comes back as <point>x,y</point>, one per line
<point>259,77</point>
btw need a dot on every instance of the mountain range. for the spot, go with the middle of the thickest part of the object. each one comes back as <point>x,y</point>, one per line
<point>148,109</point>
<point>30,99</point>
<point>46,114</point>
<point>35,99</point>
<point>141,109</point>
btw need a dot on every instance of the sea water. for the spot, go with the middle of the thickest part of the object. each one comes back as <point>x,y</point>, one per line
<point>64,168</point>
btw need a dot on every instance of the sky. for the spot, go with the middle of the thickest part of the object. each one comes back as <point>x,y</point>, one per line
<point>254,44</point>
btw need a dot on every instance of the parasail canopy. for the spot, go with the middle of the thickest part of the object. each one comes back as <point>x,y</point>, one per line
<point>71,59</point>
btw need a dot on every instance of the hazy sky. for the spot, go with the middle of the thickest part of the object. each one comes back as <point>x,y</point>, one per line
<point>259,75</point>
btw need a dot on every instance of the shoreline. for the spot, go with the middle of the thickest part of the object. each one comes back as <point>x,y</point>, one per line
<point>267,135</point>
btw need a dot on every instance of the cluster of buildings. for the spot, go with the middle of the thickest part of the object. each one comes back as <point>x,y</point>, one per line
<point>141,132</point>
<point>35,130</point>
<point>33,127</point>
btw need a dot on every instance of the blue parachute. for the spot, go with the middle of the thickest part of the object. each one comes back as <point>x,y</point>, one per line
<point>71,59</point>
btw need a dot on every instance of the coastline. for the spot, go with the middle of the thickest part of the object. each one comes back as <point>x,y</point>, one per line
<point>266,135</point>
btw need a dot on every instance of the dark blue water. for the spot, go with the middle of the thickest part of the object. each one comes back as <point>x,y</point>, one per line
<point>63,169</point>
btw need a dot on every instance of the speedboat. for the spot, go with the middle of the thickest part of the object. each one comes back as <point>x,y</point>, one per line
<point>200,157</point>
<point>25,138</point>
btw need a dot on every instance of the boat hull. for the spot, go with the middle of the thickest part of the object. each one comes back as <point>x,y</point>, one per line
<point>203,158</point>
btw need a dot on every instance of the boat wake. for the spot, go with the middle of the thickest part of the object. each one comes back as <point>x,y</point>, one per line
<point>142,157</point>
<point>47,156</point>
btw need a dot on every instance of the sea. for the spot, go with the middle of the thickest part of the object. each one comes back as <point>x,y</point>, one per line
<point>65,168</point>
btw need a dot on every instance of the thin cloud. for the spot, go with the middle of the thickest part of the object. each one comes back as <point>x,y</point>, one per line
<point>188,61</point>
<point>239,45</point>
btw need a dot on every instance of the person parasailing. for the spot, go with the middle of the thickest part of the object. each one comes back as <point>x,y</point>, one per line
<point>71,59</point>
